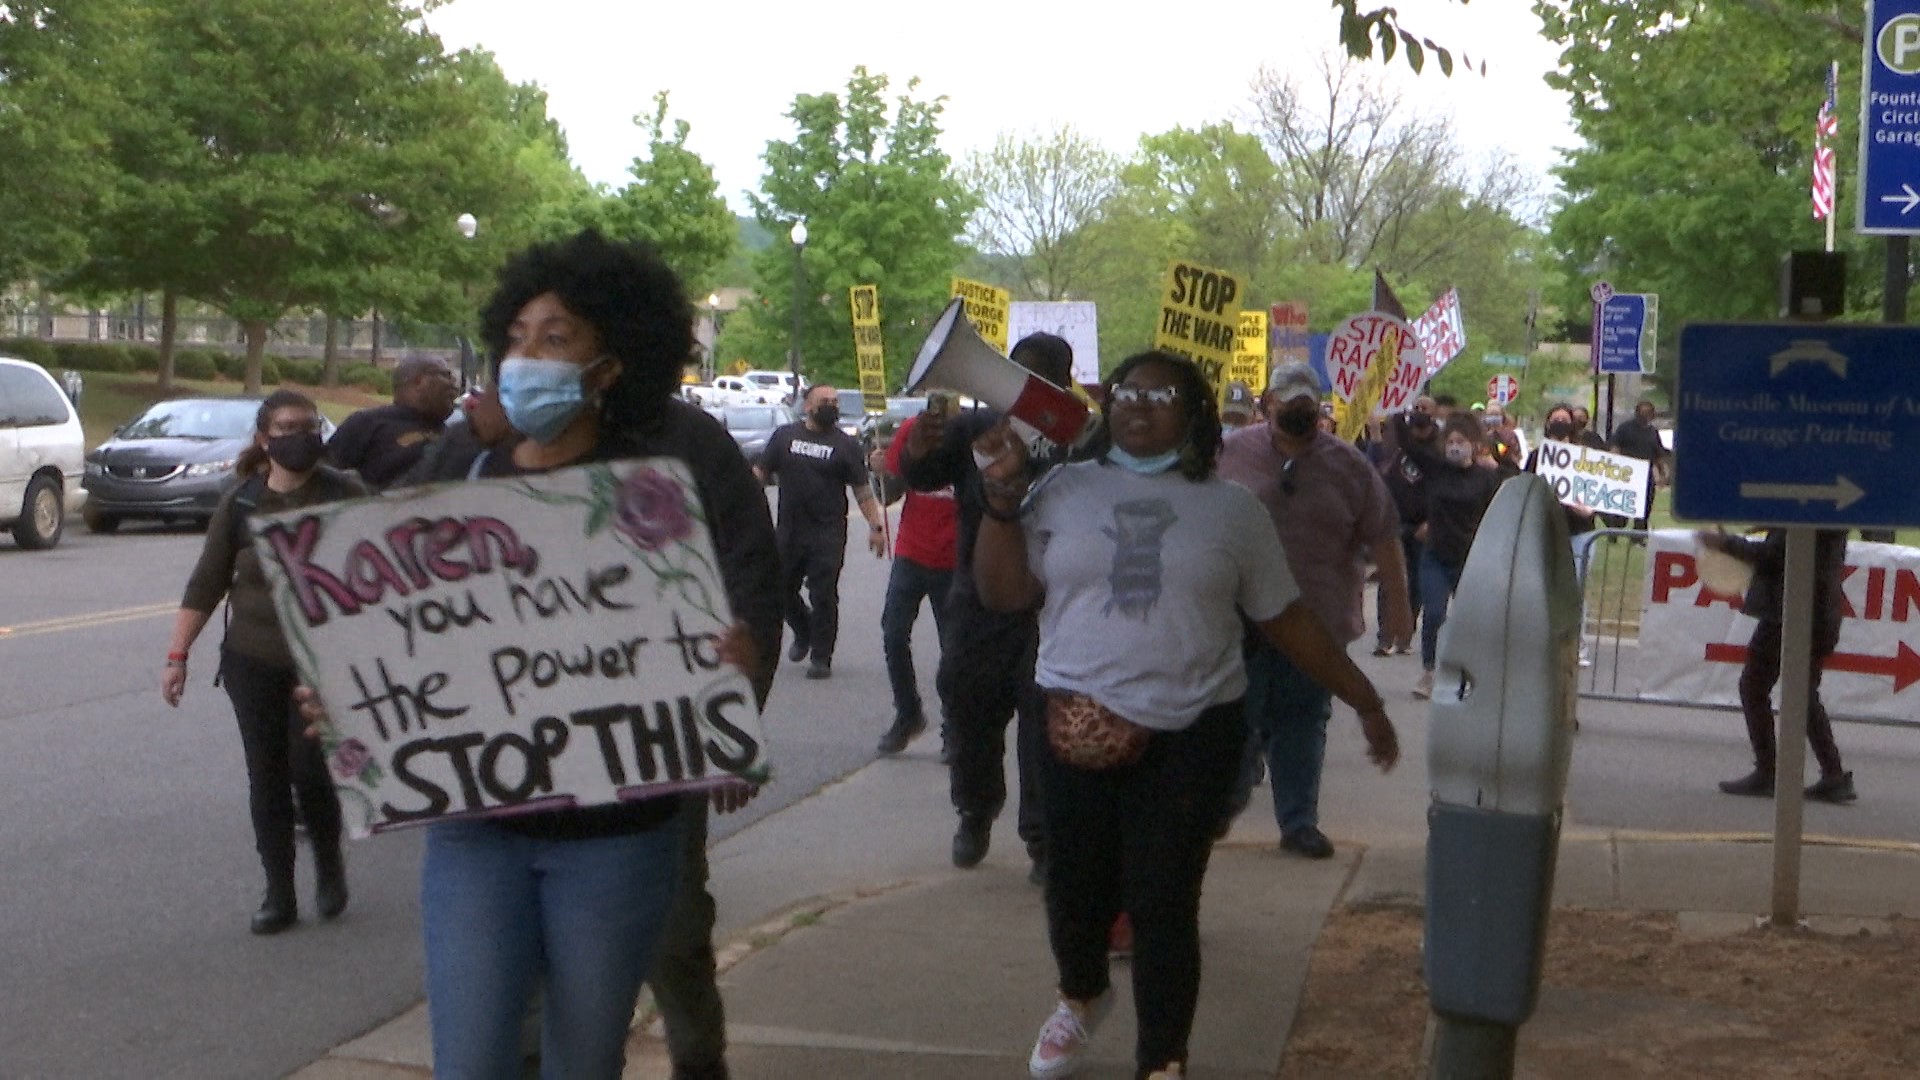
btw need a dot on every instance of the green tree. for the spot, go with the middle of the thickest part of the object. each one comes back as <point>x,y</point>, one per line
<point>674,203</point>
<point>1688,183</point>
<point>301,153</point>
<point>62,69</point>
<point>1037,197</point>
<point>882,205</point>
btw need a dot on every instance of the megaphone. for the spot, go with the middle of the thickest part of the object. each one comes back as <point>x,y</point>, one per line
<point>955,358</point>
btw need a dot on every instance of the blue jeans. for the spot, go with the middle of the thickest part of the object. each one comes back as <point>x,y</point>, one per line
<point>1287,715</point>
<point>1437,584</point>
<point>503,912</point>
<point>908,584</point>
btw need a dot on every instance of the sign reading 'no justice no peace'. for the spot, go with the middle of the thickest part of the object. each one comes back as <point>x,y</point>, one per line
<point>1797,424</point>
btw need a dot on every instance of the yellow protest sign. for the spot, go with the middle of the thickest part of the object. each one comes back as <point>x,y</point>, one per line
<point>1198,317</point>
<point>1249,363</point>
<point>987,308</point>
<point>869,355</point>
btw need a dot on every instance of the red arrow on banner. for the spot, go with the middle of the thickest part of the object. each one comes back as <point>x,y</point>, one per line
<point>1903,667</point>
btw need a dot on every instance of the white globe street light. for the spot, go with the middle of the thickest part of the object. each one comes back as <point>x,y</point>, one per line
<point>799,238</point>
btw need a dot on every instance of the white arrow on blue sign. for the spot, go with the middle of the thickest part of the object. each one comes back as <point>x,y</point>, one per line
<point>1797,424</point>
<point>1890,119</point>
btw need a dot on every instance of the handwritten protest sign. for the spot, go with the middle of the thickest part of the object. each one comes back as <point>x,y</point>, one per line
<point>1289,329</point>
<point>1595,479</point>
<point>869,347</point>
<point>1078,321</point>
<point>1441,331</point>
<point>1376,367</point>
<point>1199,317</point>
<point>512,645</point>
<point>986,308</point>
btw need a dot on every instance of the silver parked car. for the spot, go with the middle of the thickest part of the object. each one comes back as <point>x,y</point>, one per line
<point>172,462</point>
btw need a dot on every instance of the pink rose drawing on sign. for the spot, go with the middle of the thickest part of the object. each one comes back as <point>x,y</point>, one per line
<point>350,759</point>
<point>651,510</point>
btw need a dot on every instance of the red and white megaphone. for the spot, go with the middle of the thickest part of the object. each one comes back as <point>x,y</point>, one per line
<point>955,358</point>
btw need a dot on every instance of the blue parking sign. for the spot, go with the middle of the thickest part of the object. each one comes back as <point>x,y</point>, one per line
<point>1890,119</point>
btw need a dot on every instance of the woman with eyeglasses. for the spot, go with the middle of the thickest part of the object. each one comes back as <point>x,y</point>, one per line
<point>1141,563</point>
<point>280,471</point>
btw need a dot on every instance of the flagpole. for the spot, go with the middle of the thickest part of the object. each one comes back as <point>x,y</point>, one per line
<point>1834,77</point>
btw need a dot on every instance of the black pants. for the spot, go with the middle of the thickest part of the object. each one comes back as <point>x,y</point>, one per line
<point>1136,839</point>
<point>1757,678</point>
<point>815,561</point>
<point>908,584</point>
<point>1410,553</point>
<point>986,679</point>
<point>282,764</point>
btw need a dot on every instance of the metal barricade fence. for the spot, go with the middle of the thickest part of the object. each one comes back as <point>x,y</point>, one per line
<point>1612,568</point>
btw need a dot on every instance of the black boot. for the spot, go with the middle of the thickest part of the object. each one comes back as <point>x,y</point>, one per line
<point>279,909</point>
<point>330,879</point>
<point>1758,783</point>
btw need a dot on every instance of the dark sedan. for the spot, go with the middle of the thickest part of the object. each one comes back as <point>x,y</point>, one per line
<point>170,463</point>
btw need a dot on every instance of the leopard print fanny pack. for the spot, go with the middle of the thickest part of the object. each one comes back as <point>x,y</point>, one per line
<point>1087,735</point>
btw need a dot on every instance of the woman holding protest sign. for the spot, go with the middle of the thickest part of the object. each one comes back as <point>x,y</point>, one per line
<point>1141,563</point>
<point>1460,484</point>
<point>574,902</point>
<point>280,471</point>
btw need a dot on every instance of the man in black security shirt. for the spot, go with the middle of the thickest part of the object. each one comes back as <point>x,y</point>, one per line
<point>382,443</point>
<point>816,463</point>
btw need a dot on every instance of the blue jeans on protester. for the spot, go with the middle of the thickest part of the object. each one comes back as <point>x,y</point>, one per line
<point>908,583</point>
<point>1437,584</point>
<point>503,912</point>
<point>1287,715</point>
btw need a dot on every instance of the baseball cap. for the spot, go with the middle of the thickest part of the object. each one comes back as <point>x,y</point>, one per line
<point>1239,399</point>
<point>1294,379</point>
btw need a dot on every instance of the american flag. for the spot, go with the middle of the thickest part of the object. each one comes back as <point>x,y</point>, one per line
<point>1825,127</point>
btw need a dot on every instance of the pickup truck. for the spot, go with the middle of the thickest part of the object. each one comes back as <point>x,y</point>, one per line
<point>731,390</point>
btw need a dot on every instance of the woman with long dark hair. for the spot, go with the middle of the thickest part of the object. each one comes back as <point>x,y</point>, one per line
<point>1142,564</point>
<point>280,471</point>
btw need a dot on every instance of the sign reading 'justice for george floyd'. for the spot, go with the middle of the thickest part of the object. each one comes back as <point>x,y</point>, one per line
<point>513,645</point>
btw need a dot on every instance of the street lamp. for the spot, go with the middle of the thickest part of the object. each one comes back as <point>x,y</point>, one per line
<point>468,226</point>
<point>712,365</point>
<point>799,238</point>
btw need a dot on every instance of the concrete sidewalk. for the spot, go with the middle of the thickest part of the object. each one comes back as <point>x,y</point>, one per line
<point>853,949</point>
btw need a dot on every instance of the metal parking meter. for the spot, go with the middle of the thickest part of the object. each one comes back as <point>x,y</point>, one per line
<point>1499,740</point>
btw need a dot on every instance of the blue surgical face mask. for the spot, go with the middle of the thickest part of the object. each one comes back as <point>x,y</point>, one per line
<point>1145,466</point>
<point>541,397</point>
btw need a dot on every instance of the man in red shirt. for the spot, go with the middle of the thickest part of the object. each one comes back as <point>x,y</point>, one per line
<point>923,557</point>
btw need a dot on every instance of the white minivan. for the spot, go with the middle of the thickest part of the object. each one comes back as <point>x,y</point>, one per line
<point>42,455</point>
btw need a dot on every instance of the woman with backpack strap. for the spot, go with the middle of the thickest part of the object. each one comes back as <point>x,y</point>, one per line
<point>280,471</point>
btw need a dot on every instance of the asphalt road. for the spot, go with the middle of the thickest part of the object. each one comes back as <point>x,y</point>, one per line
<point>127,872</point>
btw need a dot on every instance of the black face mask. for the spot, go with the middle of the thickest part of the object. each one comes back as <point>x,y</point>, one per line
<point>296,453</point>
<point>1559,429</point>
<point>826,416</point>
<point>1297,422</point>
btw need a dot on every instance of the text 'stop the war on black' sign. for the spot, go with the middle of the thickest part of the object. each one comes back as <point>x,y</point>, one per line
<point>506,646</point>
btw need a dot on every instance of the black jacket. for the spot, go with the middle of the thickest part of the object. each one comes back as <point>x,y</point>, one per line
<point>1769,558</point>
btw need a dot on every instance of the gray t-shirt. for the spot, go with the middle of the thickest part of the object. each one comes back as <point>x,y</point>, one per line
<point>1145,579</point>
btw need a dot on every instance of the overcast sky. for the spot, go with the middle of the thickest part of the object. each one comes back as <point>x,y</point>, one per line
<point>1113,70</point>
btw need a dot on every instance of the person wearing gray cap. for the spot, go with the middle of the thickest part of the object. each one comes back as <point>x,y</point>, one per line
<point>1236,406</point>
<point>1330,507</point>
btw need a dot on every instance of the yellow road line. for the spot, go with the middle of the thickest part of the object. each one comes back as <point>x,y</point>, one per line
<point>82,622</point>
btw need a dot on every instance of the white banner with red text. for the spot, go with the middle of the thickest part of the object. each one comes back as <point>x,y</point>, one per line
<point>1693,641</point>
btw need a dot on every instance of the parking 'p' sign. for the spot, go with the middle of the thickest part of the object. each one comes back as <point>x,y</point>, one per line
<point>1898,44</point>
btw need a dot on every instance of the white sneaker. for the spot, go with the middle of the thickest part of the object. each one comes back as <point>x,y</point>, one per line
<point>1064,1036</point>
<point>1586,655</point>
<point>1424,688</point>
